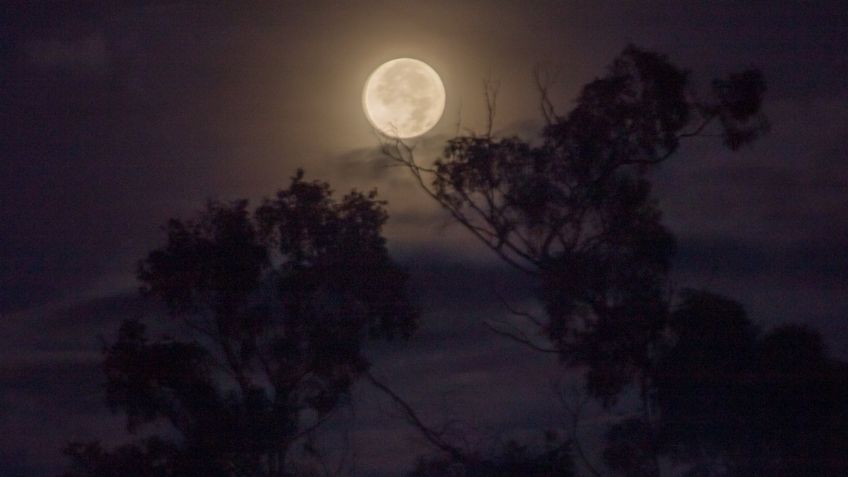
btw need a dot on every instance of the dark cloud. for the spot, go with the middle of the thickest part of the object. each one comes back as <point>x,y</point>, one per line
<point>811,264</point>
<point>87,53</point>
<point>799,46</point>
<point>51,383</point>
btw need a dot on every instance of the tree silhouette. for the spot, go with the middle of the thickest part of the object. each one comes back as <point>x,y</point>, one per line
<point>274,306</point>
<point>771,404</point>
<point>576,212</point>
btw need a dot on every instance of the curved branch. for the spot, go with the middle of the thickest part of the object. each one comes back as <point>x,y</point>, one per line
<point>432,436</point>
<point>490,91</point>
<point>545,104</point>
<point>315,425</point>
<point>520,338</point>
<point>536,321</point>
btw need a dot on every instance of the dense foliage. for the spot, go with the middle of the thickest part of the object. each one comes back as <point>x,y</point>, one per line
<point>274,306</point>
<point>574,209</point>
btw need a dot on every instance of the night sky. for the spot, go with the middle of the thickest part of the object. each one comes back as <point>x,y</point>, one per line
<point>113,119</point>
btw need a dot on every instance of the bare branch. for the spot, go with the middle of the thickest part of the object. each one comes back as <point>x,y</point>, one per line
<point>519,337</point>
<point>536,321</point>
<point>434,437</point>
<point>312,427</point>
<point>575,415</point>
<point>491,88</point>
<point>707,120</point>
<point>544,79</point>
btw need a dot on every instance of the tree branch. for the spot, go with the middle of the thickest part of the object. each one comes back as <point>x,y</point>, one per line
<point>517,312</point>
<point>574,414</point>
<point>402,150</point>
<point>432,436</point>
<point>520,338</point>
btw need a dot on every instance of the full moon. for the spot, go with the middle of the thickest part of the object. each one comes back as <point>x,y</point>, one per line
<point>404,98</point>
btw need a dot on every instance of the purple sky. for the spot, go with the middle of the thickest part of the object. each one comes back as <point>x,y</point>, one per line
<point>113,119</point>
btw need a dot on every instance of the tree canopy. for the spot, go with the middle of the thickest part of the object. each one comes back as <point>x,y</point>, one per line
<point>575,210</point>
<point>274,307</point>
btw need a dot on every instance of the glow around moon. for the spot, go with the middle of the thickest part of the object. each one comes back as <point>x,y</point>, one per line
<point>404,98</point>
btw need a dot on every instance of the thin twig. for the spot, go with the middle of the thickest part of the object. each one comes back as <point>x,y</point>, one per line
<point>516,312</point>
<point>574,414</point>
<point>522,338</point>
